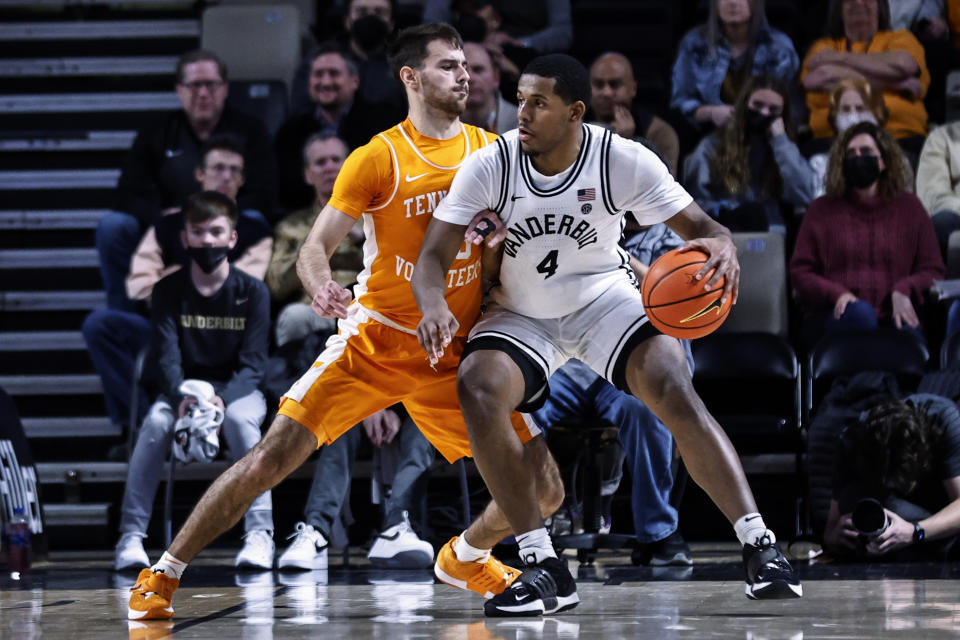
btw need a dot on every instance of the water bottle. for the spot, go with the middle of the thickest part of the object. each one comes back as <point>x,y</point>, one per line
<point>18,544</point>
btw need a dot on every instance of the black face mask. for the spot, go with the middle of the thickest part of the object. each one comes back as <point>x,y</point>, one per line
<point>370,32</point>
<point>757,122</point>
<point>861,171</point>
<point>208,258</point>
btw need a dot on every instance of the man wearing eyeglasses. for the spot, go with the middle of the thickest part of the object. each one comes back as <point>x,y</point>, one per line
<point>158,174</point>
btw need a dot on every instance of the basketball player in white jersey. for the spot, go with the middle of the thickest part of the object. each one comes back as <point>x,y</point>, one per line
<point>561,189</point>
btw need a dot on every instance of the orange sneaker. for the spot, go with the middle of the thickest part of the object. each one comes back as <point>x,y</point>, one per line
<point>488,578</point>
<point>152,596</point>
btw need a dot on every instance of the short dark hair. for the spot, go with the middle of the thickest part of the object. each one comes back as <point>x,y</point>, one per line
<point>328,47</point>
<point>572,78</point>
<point>201,55</point>
<point>207,205</point>
<point>221,142</point>
<point>321,136</point>
<point>409,48</point>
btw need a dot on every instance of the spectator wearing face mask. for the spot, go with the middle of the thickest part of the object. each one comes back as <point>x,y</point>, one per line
<point>852,100</point>
<point>866,252</point>
<point>745,171</point>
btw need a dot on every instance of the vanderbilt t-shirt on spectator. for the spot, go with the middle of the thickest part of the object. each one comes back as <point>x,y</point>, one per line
<point>222,338</point>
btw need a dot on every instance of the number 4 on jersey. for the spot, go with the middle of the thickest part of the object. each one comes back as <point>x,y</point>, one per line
<point>548,265</point>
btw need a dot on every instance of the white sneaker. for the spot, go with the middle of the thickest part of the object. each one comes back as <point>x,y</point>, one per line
<point>129,552</point>
<point>399,548</point>
<point>308,550</point>
<point>257,551</point>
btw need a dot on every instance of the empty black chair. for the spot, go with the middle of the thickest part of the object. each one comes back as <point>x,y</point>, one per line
<point>751,383</point>
<point>950,352</point>
<point>847,353</point>
<point>262,99</point>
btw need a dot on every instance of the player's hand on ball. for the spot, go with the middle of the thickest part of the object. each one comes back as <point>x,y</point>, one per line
<point>436,331</point>
<point>331,300</point>
<point>722,262</point>
<point>485,224</point>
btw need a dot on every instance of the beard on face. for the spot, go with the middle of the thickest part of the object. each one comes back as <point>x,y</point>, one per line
<point>444,101</point>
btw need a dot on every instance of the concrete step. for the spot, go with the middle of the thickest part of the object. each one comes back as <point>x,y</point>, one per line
<point>52,384</point>
<point>98,29</point>
<point>54,473</point>
<point>88,66</point>
<point>66,514</point>
<point>51,219</point>
<point>89,102</point>
<point>52,300</point>
<point>67,141</point>
<point>73,427</point>
<point>59,179</point>
<point>42,341</point>
<point>49,258</point>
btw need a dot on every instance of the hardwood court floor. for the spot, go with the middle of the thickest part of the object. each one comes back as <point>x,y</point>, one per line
<point>80,598</point>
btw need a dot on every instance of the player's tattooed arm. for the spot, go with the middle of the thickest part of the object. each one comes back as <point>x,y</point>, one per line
<point>329,299</point>
<point>706,234</point>
<point>441,243</point>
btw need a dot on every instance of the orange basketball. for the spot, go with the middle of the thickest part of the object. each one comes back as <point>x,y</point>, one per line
<point>676,302</point>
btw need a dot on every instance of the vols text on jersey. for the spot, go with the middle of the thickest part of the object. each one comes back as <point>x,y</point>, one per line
<point>455,277</point>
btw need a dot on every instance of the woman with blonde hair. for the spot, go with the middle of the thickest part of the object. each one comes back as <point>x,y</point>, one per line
<point>866,251</point>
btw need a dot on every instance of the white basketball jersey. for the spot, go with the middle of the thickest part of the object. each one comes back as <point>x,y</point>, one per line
<point>561,249</point>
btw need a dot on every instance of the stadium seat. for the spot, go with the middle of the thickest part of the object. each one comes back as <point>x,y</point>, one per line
<point>262,99</point>
<point>269,47</point>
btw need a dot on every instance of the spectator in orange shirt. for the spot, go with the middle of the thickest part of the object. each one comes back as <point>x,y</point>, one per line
<point>861,44</point>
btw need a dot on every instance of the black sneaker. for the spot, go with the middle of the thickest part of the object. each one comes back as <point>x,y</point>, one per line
<point>769,575</point>
<point>672,551</point>
<point>543,588</point>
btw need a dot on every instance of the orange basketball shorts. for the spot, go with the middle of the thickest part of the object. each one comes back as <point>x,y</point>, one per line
<point>369,366</point>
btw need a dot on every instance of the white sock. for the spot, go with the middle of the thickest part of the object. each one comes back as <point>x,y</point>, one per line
<point>169,565</point>
<point>750,528</point>
<point>535,546</point>
<point>467,553</point>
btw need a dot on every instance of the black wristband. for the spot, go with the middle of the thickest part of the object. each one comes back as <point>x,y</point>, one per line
<point>918,533</point>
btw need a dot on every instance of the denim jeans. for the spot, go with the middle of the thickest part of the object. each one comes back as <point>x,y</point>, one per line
<point>858,316</point>
<point>646,441</point>
<point>117,237</point>
<point>331,476</point>
<point>240,430</point>
<point>113,340</point>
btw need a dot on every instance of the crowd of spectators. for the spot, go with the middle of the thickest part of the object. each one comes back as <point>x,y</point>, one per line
<point>823,151</point>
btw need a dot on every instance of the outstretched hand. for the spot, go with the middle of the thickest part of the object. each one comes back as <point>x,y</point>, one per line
<point>485,224</point>
<point>721,263</point>
<point>331,300</point>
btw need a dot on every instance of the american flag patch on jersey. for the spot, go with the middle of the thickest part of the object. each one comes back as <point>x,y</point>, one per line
<point>583,195</point>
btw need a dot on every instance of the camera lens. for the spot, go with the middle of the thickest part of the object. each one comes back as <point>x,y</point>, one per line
<point>869,518</point>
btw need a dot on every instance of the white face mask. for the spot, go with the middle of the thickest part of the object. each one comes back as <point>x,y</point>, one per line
<point>844,121</point>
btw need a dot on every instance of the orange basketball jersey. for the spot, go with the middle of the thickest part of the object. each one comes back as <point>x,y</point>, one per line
<point>395,182</point>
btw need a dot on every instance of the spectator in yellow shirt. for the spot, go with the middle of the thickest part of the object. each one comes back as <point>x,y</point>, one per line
<point>861,44</point>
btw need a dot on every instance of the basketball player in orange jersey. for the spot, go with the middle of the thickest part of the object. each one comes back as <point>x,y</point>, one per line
<point>394,182</point>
